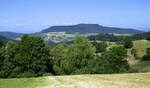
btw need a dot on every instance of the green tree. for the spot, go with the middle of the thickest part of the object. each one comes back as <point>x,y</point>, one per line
<point>33,56</point>
<point>28,58</point>
<point>1,43</point>
<point>1,59</point>
<point>8,62</point>
<point>147,56</point>
<point>58,53</point>
<point>77,57</point>
<point>100,46</point>
<point>128,44</point>
<point>112,61</point>
<point>148,51</point>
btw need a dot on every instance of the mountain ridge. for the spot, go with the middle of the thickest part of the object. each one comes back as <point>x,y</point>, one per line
<point>11,35</point>
<point>79,28</point>
<point>90,28</point>
<point>4,39</point>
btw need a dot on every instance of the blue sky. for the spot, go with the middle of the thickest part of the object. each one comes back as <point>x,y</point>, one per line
<point>27,16</point>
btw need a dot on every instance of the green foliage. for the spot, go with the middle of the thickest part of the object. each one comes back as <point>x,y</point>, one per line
<point>75,58</point>
<point>29,58</point>
<point>1,51</point>
<point>147,57</point>
<point>134,52</point>
<point>32,57</point>
<point>100,46</point>
<point>58,53</point>
<point>8,59</point>
<point>1,43</point>
<point>26,74</point>
<point>128,44</point>
<point>141,36</point>
<point>80,58</point>
<point>107,37</point>
<point>112,61</point>
<point>148,51</point>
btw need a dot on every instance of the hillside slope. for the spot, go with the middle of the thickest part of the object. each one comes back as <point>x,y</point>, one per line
<point>140,46</point>
<point>4,39</point>
<point>138,65</point>
<point>136,80</point>
<point>89,28</point>
<point>11,35</point>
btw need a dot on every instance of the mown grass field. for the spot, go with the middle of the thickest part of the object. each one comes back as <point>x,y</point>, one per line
<point>135,80</point>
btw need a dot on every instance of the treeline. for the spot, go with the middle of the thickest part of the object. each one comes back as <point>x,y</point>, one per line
<point>32,57</point>
<point>119,38</point>
<point>107,37</point>
<point>145,35</point>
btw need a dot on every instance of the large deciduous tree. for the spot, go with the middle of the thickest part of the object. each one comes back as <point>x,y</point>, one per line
<point>28,58</point>
<point>76,58</point>
<point>33,55</point>
<point>128,44</point>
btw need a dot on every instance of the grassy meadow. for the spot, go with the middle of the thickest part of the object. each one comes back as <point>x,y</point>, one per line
<point>141,46</point>
<point>133,80</point>
<point>136,64</point>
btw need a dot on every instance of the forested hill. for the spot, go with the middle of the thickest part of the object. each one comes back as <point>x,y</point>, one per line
<point>11,35</point>
<point>90,28</point>
<point>4,39</point>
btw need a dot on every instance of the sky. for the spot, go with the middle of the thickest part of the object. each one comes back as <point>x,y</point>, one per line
<point>28,16</point>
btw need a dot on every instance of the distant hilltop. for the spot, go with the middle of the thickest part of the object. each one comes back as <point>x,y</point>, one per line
<point>77,29</point>
<point>90,28</point>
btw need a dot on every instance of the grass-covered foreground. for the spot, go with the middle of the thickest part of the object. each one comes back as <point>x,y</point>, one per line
<point>135,80</point>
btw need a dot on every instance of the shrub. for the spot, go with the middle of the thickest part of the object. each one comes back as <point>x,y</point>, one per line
<point>147,57</point>
<point>128,44</point>
<point>26,74</point>
<point>100,46</point>
<point>113,60</point>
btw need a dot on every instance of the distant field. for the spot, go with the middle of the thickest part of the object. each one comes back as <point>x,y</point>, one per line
<point>136,80</point>
<point>141,46</point>
<point>135,64</point>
